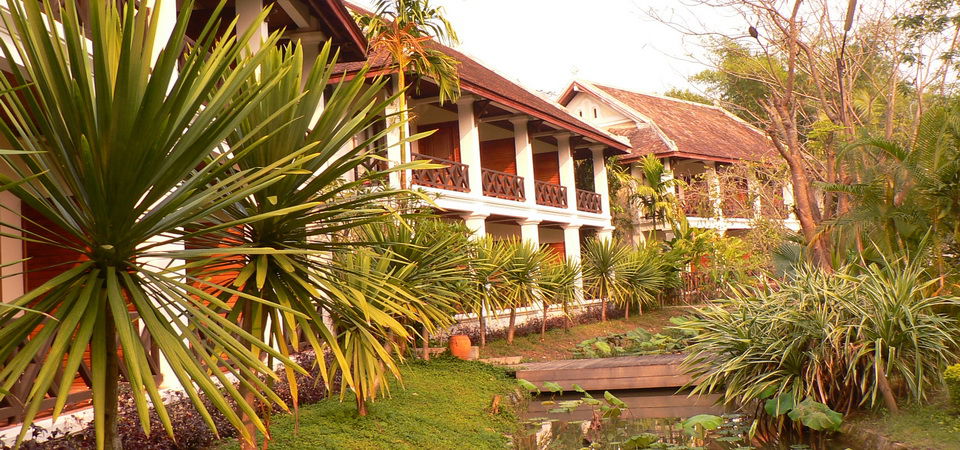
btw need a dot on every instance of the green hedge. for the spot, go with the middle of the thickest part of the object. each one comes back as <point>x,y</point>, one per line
<point>952,378</point>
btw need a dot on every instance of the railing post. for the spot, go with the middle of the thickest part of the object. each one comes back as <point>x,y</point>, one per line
<point>470,144</point>
<point>524,149</point>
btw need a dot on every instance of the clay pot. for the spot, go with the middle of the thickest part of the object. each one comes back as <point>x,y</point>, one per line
<point>460,346</point>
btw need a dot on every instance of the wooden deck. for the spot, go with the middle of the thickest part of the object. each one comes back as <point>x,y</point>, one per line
<point>641,404</point>
<point>624,372</point>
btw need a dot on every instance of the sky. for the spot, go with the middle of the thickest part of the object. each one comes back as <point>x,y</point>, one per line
<point>544,44</point>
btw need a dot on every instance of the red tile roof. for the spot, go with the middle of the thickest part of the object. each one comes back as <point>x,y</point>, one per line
<point>480,80</point>
<point>688,129</point>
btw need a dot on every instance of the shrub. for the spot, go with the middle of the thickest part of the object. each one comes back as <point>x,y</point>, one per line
<point>830,337</point>
<point>951,377</point>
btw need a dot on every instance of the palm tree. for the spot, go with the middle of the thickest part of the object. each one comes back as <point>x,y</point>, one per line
<point>309,208</point>
<point>653,193</point>
<point>904,192</point>
<point>488,268</point>
<point>559,282</point>
<point>607,266</point>
<point>647,276</point>
<point>124,156</point>
<point>400,29</point>
<point>524,284</point>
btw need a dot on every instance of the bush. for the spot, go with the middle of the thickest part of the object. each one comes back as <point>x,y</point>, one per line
<point>829,337</point>
<point>951,378</point>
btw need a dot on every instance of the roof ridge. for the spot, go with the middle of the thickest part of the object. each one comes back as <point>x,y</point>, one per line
<point>661,97</point>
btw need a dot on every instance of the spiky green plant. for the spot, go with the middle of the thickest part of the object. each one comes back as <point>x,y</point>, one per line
<point>842,339</point>
<point>646,277</point>
<point>126,158</point>
<point>606,271</point>
<point>488,268</point>
<point>562,285</point>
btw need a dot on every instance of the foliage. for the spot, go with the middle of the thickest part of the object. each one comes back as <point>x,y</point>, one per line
<point>123,153</point>
<point>635,342</point>
<point>688,95</point>
<point>607,265</point>
<point>833,338</point>
<point>444,403</point>
<point>951,377</point>
<point>409,276</point>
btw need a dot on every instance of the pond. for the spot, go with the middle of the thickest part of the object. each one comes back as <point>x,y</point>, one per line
<point>647,418</point>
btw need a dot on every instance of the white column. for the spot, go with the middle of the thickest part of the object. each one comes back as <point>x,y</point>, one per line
<point>530,231</point>
<point>470,144</point>
<point>524,149</point>
<point>605,233</point>
<point>600,178</point>
<point>247,12</point>
<point>668,174</point>
<point>713,185</point>
<point>568,177</point>
<point>477,223</point>
<point>11,249</point>
<point>571,246</point>
<point>167,11</point>
<point>788,200</point>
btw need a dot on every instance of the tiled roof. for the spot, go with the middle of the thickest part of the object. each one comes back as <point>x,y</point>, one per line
<point>692,129</point>
<point>478,79</point>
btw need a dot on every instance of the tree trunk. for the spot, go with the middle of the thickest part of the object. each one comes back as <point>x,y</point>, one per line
<point>888,399</point>
<point>626,311</point>
<point>112,440</point>
<point>483,329</point>
<point>426,344</point>
<point>603,309</point>
<point>543,324</point>
<point>402,103</point>
<point>512,327</point>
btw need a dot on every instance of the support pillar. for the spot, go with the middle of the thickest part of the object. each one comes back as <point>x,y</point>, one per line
<point>470,144</point>
<point>477,223</point>
<point>247,13</point>
<point>568,177</point>
<point>788,201</point>
<point>605,233</point>
<point>713,184</point>
<point>600,178</point>
<point>524,149</point>
<point>571,246</point>
<point>530,231</point>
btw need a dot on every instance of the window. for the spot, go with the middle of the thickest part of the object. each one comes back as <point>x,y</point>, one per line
<point>594,113</point>
<point>580,112</point>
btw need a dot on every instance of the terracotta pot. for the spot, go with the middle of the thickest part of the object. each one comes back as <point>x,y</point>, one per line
<point>460,346</point>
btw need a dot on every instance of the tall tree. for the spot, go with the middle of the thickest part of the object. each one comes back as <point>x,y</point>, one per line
<point>124,155</point>
<point>401,29</point>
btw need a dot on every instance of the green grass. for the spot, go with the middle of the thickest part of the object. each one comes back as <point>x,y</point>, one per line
<point>443,404</point>
<point>560,343</point>
<point>934,425</point>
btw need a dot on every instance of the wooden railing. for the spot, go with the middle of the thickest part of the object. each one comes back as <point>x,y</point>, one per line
<point>452,177</point>
<point>502,185</point>
<point>589,201</point>
<point>12,406</point>
<point>551,194</point>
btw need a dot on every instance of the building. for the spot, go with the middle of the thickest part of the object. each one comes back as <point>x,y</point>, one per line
<point>699,144</point>
<point>509,158</point>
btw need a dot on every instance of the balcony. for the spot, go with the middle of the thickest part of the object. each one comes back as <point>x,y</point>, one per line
<point>551,194</point>
<point>589,201</point>
<point>452,177</point>
<point>502,185</point>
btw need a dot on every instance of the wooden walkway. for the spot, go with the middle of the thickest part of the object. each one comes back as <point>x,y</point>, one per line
<point>623,372</point>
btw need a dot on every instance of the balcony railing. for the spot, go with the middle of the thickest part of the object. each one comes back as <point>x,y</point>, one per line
<point>589,201</point>
<point>502,185</point>
<point>452,177</point>
<point>551,194</point>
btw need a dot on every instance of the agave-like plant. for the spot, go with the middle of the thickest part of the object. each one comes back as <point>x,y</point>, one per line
<point>607,266</point>
<point>124,155</point>
<point>646,277</point>
<point>428,258</point>
<point>844,339</point>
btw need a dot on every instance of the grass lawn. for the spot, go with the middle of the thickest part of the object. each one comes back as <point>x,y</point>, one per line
<point>559,343</point>
<point>928,426</point>
<point>443,404</point>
